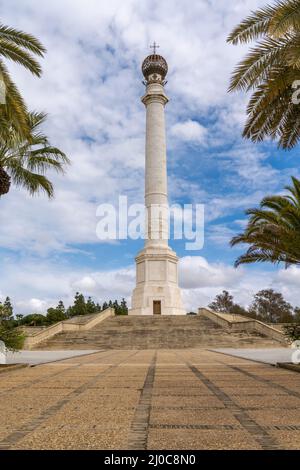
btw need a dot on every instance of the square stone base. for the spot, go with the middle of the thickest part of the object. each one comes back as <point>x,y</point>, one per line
<point>157,292</point>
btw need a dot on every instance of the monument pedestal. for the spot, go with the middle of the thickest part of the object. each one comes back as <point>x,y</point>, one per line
<point>157,291</point>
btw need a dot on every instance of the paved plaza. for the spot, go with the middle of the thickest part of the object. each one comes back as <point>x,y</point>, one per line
<point>268,355</point>
<point>41,357</point>
<point>150,399</point>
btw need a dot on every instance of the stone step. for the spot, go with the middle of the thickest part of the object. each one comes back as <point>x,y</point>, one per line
<point>176,332</point>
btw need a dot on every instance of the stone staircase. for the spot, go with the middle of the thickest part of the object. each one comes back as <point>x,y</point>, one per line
<point>136,332</point>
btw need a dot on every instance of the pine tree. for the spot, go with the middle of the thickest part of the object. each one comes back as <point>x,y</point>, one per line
<point>9,308</point>
<point>57,314</point>
<point>116,306</point>
<point>19,318</point>
<point>60,307</point>
<point>105,306</point>
<point>12,337</point>
<point>91,306</point>
<point>5,314</point>
<point>123,307</point>
<point>79,307</point>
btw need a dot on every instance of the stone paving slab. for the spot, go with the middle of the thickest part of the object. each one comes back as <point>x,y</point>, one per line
<point>200,439</point>
<point>288,439</point>
<point>266,355</point>
<point>277,417</point>
<point>42,357</point>
<point>150,399</point>
<point>192,417</point>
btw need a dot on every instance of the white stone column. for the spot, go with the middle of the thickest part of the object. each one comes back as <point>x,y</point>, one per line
<point>156,290</point>
<point>156,186</point>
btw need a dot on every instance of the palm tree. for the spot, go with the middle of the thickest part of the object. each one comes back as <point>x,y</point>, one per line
<point>25,161</point>
<point>19,47</point>
<point>269,70</point>
<point>273,230</point>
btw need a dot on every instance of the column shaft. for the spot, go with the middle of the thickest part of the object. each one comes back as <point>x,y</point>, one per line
<point>156,191</point>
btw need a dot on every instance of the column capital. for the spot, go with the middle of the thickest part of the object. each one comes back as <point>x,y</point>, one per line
<point>155,93</point>
<point>147,99</point>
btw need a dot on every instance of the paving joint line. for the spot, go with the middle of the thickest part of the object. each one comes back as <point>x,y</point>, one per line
<point>262,379</point>
<point>16,436</point>
<point>231,427</point>
<point>50,376</point>
<point>64,358</point>
<point>261,436</point>
<point>138,435</point>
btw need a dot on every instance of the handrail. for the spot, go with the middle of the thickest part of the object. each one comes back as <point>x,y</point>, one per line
<point>248,324</point>
<point>64,326</point>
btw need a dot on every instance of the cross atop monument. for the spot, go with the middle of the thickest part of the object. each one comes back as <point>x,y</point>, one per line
<point>154,47</point>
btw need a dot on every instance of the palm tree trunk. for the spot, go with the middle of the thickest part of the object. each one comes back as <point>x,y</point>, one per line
<point>4,182</point>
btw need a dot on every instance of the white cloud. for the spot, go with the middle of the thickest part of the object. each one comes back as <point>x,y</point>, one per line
<point>202,281</point>
<point>91,88</point>
<point>195,272</point>
<point>220,234</point>
<point>86,284</point>
<point>44,284</point>
<point>189,131</point>
<point>289,276</point>
<point>37,284</point>
<point>32,306</point>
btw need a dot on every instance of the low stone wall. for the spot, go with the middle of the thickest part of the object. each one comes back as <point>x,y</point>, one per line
<point>31,330</point>
<point>64,326</point>
<point>248,324</point>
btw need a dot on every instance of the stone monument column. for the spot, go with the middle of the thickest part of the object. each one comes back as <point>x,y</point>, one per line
<point>156,197</point>
<point>157,291</point>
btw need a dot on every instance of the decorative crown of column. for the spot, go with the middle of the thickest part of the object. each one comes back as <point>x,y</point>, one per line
<point>155,68</point>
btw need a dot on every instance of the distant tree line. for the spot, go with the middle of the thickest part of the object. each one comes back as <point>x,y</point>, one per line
<point>268,306</point>
<point>80,306</point>
<point>11,336</point>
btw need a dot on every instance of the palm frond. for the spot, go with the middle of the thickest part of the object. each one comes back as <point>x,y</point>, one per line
<point>21,48</point>
<point>32,182</point>
<point>293,51</point>
<point>47,158</point>
<point>14,112</point>
<point>271,109</point>
<point>285,18</point>
<point>25,40</point>
<point>253,27</point>
<point>255,67</point>
<point>28,160</point>
<point>295,190</point>
<point>270,69</point>
<point>18,55</point>
<point>273,230</point>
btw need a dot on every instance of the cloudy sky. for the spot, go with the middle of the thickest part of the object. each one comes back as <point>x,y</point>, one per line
<point>91,88</point>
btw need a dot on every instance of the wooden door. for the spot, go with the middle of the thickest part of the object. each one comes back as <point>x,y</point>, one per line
<point>156,307</point>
